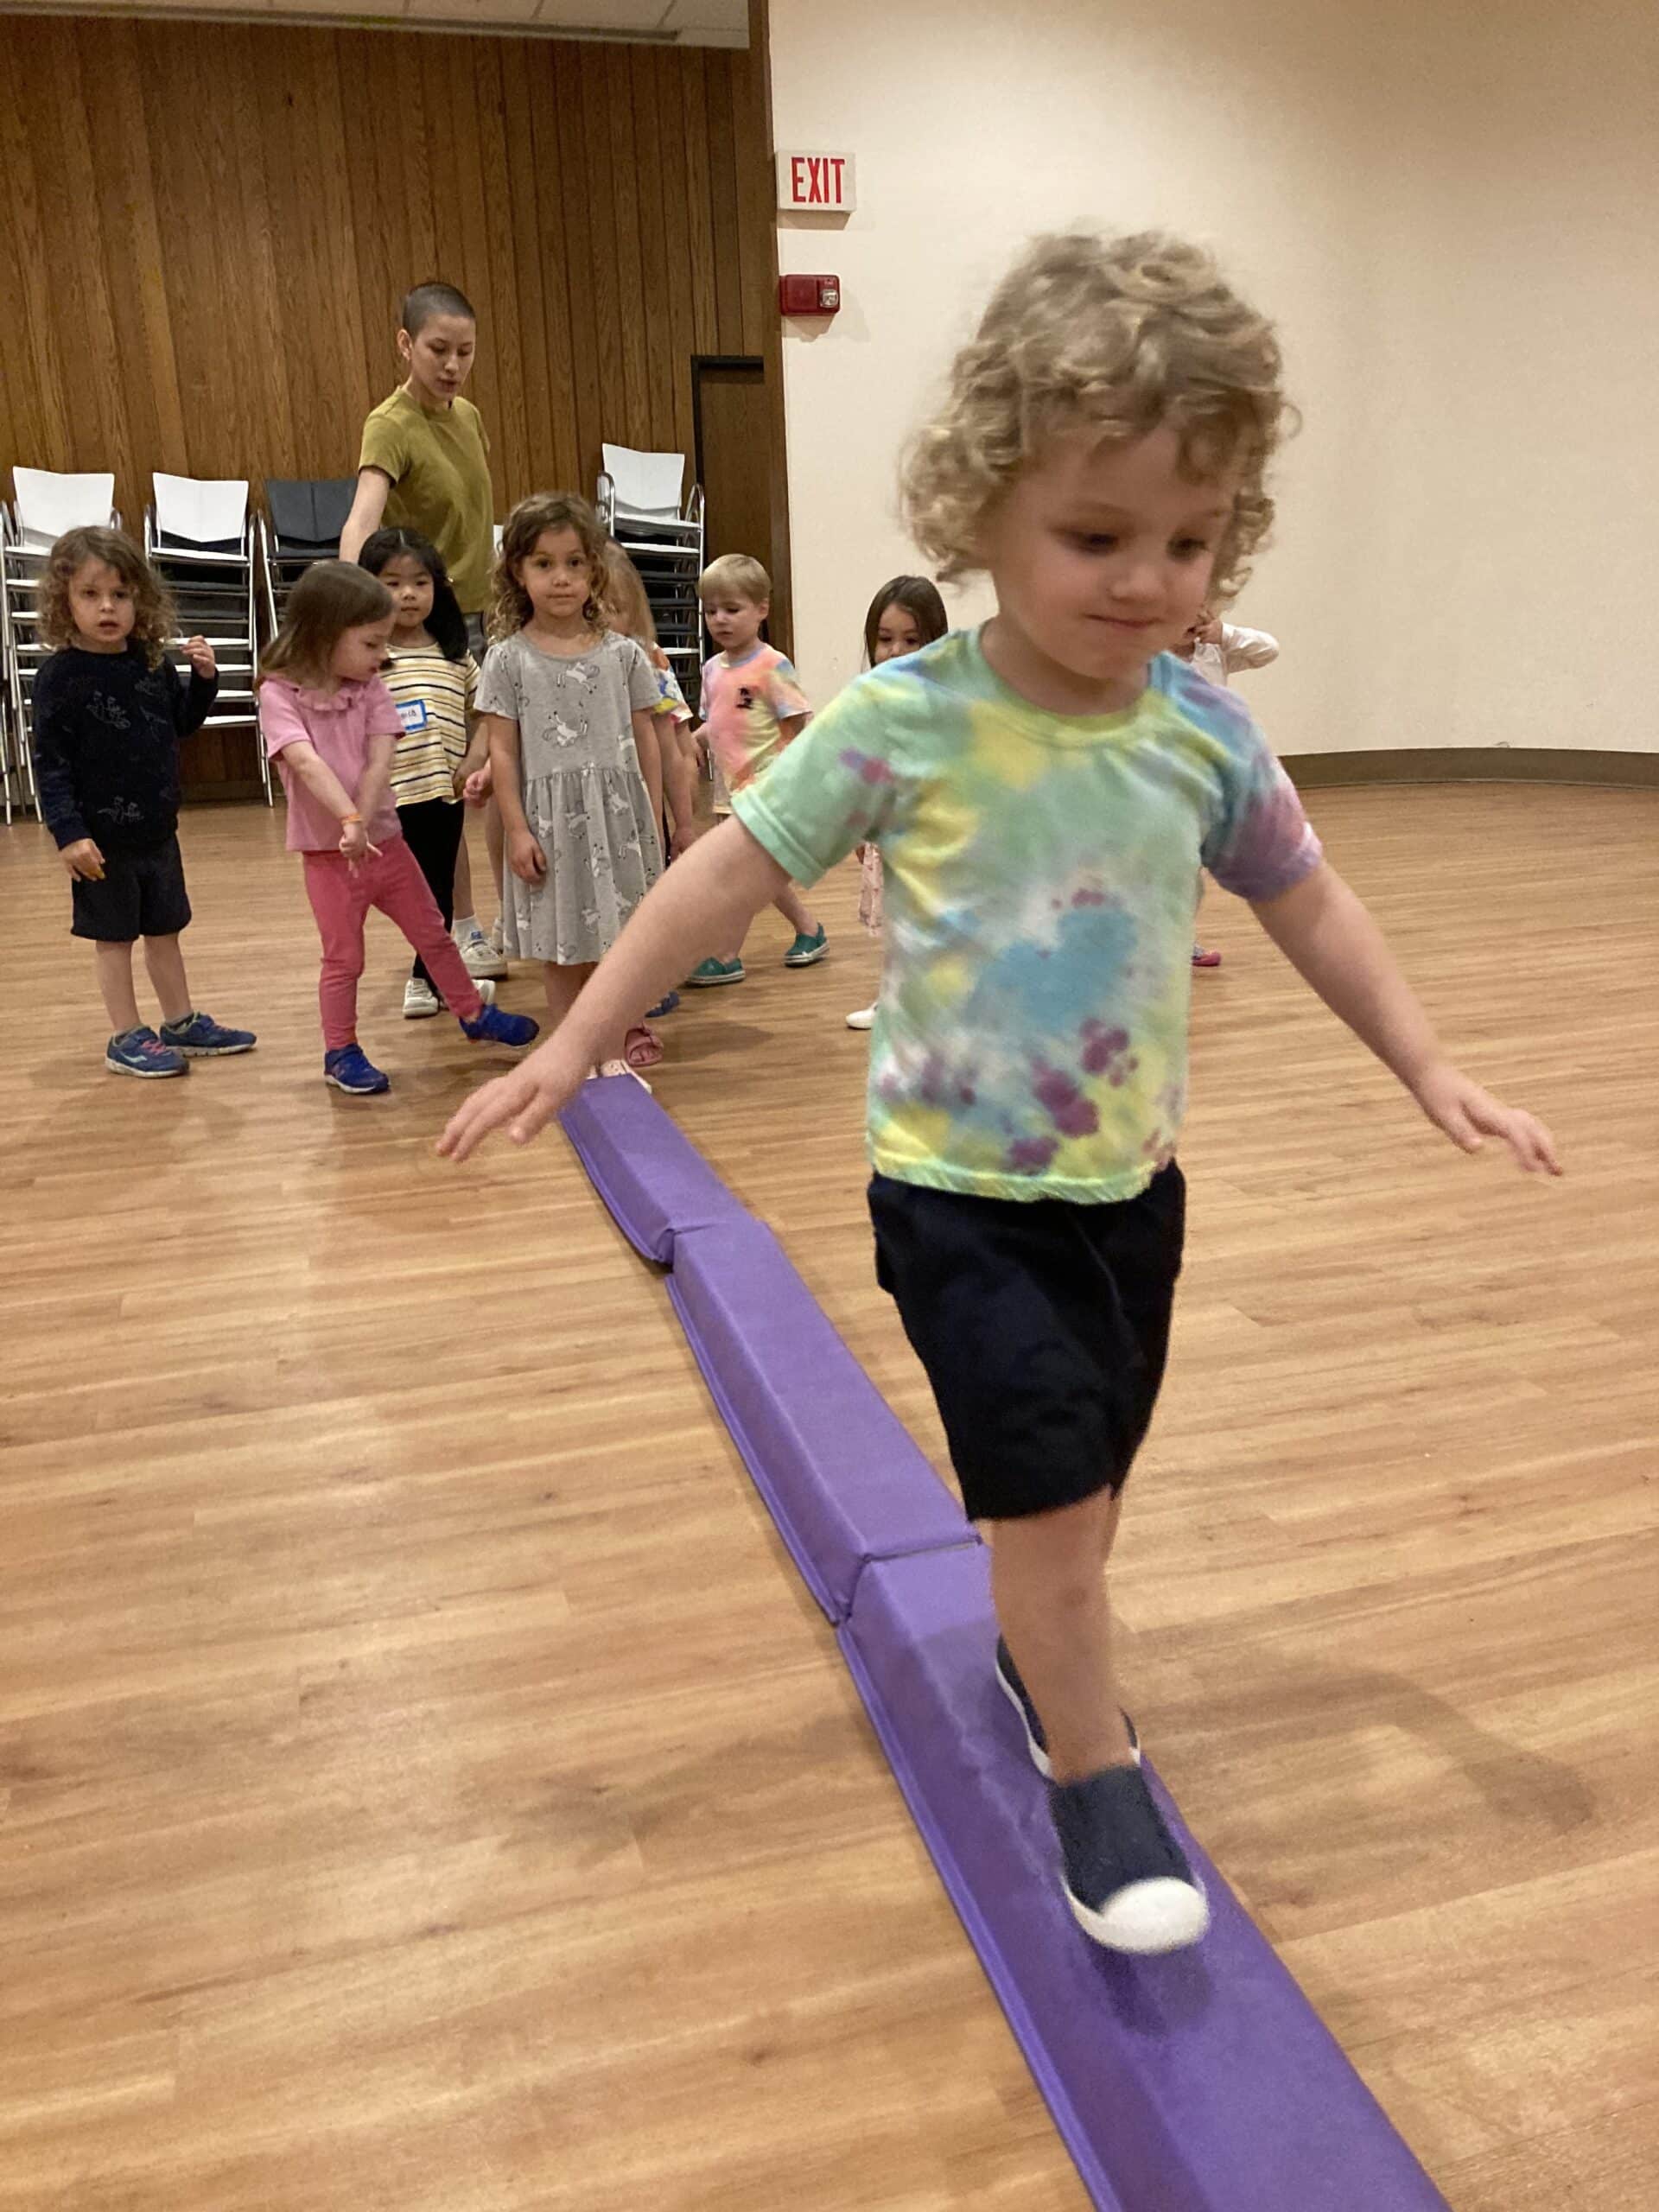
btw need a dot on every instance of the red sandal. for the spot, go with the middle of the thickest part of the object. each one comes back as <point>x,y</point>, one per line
<point>642,1047</point>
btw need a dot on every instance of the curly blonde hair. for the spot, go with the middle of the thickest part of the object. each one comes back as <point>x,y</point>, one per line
<point>1114,335</point>
<point>155,617</point>
<point>510,605</point>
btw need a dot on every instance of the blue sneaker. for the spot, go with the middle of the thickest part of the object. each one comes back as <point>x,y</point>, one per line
<point>198,1037</point>
<point>1125,1879</point>
<point>1013,1688</point>
<point>141,1052</point>
<point>496,1026</point>
<point>667,1006</point>
<point>806,951</point>
<point>714,971</point>
<point>349,1069</point>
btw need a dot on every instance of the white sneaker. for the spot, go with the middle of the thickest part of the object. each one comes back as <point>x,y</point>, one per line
<point>621,1067</point>
<point>484,961</point>
<point>420,1000</point>
<point>864,1019</point>
<point>493,937</point>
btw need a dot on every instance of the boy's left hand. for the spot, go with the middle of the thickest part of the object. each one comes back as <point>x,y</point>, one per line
<point>1468,1113</point>
<point>200,654</point>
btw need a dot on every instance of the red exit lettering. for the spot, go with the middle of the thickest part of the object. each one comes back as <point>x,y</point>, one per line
<point>818,180</point>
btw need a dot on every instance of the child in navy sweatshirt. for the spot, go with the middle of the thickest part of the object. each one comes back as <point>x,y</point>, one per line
<point>109,714</point>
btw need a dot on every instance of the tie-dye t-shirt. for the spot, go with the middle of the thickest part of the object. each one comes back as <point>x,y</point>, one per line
<point>743,704</point>
<point>1042,878</point>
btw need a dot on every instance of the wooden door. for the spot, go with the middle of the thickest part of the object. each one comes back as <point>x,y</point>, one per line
<point>733,457</point>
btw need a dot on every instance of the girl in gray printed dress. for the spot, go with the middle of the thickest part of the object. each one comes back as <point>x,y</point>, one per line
<point>569,707</point>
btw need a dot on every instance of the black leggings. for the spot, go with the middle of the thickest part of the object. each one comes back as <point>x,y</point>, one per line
<point>432,827</point>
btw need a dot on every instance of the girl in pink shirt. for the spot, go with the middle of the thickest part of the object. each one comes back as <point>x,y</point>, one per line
<point>329,724</point>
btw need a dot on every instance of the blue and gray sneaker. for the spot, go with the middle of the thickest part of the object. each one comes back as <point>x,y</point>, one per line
<point>1008,1681</point>
<point>141,1052</point>
<point>495,1025</point>
<point>667,1006</point>
<point>806,951</point>
<point>198,1037</point>
<point>349,1069</point>
<point>1125,1879</point>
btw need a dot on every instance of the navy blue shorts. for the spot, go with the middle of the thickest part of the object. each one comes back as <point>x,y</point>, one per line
<point>1044,1328</point>
<point>142,894</point>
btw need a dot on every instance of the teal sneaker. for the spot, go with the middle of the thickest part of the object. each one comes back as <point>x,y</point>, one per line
<point>806,951</point>
<point>709,972</point>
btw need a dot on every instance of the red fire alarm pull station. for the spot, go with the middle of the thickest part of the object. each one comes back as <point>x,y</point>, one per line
<point>810,295</point>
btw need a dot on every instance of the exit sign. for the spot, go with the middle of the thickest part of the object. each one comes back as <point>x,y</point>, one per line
<point>822,184</point>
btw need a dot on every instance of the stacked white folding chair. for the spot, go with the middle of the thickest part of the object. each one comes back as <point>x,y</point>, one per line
<point>640,503</point>
<point>201,537</point>
<point>46,504</point>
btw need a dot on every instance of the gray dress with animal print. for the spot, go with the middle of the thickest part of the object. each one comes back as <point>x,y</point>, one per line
<point>584,798</point>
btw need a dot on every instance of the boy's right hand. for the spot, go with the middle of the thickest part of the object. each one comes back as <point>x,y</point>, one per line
<point>83,861</point>
<point>528,860</point>
<point>354,840</point>
<point>524,1101</point>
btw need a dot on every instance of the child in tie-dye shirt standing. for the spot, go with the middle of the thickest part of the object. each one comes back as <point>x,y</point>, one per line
<point>1043,791</point>
<point>753,708</point>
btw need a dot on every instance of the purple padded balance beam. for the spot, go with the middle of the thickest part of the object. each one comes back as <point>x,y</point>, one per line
<point>839,1472</point>
<point>1200,2083</point>
<point>654,1180</point>
<point>1203,2081</point>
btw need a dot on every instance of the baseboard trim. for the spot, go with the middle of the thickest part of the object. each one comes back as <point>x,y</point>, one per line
<point>1478,764</point>
<point>205,794</point>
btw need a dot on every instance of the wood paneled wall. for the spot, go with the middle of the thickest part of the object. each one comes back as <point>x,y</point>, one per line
<point>206,230</point>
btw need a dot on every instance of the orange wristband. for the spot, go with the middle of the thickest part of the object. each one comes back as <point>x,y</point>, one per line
<point>344,818</point>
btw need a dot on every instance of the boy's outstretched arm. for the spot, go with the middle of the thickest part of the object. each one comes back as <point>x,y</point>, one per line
<point>1327,934</point>
<point>706,898</point>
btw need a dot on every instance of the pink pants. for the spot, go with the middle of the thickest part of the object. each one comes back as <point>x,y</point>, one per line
<point>341,897</point>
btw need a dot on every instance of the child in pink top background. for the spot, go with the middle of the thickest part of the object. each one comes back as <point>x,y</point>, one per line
<point>752,707</point>
<point>330,725</point>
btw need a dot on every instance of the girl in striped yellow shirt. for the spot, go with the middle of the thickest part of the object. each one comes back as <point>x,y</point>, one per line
<point>432,677</point>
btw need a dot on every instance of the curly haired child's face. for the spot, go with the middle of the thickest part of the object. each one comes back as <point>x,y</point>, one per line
<point>1102,555</point>
<point>102,607</point>
<point>558,576</point>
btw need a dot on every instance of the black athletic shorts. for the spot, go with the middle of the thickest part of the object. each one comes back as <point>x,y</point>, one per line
<point>1044,1327</point>
<point>142,894</point>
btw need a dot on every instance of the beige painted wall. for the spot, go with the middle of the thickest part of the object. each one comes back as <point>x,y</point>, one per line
<point>1454,214</point>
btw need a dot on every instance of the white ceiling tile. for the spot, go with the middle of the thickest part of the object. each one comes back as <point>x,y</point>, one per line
<point>696,16</point>
<point>689,22</point>
<point>600,14</point>
<point>463,12</point>
<point>369,10</point>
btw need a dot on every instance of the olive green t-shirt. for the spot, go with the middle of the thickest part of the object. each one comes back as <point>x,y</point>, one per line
<point>439,470</point>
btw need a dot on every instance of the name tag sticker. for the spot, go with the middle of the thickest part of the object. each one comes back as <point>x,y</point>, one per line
<point>412,713</point>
